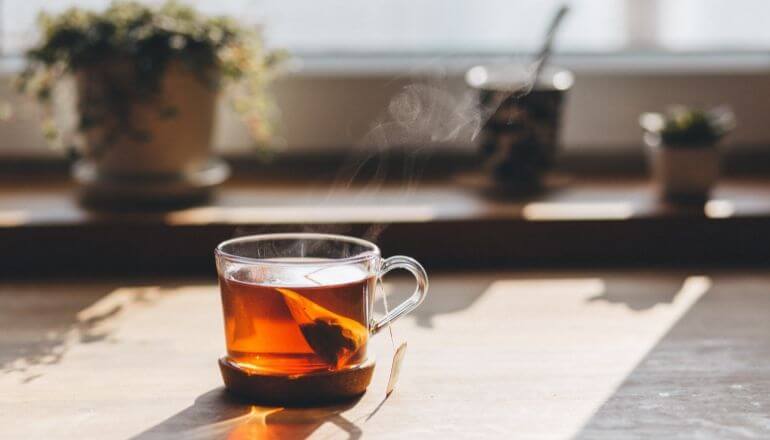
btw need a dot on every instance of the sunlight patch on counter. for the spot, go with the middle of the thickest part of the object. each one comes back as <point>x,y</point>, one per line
<point>545,211</point>
<point>303,214</point>
<point>250,425</point>
<point>719,209</point>
<point>568,347</point>
<point>13,218</point>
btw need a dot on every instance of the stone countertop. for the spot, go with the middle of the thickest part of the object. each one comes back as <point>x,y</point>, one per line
<point>555,355</point>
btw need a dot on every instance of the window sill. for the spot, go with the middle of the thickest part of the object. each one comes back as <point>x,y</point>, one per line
<point>619,63</point>
<point>335,101</point>
<point>444,222</point>
<point>613,63</point>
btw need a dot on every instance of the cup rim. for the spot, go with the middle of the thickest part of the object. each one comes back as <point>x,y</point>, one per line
<point>372,252</point>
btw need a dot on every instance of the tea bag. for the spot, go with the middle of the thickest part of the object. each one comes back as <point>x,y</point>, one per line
<point>334,338</point>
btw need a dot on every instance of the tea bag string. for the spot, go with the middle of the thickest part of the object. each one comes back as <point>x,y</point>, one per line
<point>387,310</point>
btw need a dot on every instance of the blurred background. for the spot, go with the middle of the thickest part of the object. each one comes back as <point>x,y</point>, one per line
<point>628,56</point>
<point>367,78</point>
<point>597,253</point>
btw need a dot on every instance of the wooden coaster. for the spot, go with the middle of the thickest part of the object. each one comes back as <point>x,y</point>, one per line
<point>304,390</point>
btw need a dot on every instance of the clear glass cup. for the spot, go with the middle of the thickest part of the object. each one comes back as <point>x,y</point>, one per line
<point>302,303</point>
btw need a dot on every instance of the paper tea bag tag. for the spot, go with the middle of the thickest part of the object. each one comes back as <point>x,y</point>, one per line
<point>395,368</point>
<point>398,354</point>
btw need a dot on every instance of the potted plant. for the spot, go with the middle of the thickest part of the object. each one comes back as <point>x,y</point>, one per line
<point>147,81</point>
<point>682,149</point>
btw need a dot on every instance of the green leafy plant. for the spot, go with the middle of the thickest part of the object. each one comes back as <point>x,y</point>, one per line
<point>685,127</point>
<point>145,41</point>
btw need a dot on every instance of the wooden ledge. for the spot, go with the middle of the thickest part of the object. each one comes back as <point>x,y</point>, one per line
<point>449,222</point>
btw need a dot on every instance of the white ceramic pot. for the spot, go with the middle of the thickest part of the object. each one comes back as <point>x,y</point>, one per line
<point>688,172</point>
<point>172,131</point>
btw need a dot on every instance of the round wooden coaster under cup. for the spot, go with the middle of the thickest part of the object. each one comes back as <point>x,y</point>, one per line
<point>300,390</point>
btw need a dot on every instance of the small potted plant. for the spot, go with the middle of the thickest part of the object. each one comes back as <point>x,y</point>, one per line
<point>682,149</point>
<point>147,81</point>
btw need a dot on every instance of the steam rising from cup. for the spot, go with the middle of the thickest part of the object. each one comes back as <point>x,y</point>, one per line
<point>421,117</point>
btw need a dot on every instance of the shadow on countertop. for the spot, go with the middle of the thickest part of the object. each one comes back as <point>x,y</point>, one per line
<point>702,379</point>
<point>216,414</point>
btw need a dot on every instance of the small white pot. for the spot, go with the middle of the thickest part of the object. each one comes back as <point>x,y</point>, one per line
<point>683,171</point>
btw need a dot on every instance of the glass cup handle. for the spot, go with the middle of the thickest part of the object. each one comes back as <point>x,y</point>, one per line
<point>411,303</point>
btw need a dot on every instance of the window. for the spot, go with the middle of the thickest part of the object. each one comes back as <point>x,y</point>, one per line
<point>716,25</point>
<point>726,43</point>
<point>465,27</point>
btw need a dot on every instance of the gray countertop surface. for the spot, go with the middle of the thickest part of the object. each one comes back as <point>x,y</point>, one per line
<point>551,355</point>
